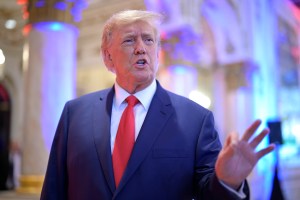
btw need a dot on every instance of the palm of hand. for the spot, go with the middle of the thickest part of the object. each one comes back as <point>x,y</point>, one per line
<point>238,157</point>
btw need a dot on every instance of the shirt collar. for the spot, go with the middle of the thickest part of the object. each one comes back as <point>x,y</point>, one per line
<point>144,96</point>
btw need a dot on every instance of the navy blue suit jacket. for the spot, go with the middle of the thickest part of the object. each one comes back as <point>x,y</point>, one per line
<point>173,157</point>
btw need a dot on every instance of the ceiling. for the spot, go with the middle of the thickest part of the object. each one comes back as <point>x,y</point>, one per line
<point>9,9</point>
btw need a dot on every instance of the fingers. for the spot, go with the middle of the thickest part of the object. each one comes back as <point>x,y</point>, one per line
<point>259,138</point>
<point>250,130</point>
<point>265,151</point>
<point>231,138</point>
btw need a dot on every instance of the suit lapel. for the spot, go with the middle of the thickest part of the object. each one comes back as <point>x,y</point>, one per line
<point>158,114</point>
<point>101,132</point>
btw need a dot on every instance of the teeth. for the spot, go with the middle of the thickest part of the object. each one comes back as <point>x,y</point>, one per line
<point>141,62</point>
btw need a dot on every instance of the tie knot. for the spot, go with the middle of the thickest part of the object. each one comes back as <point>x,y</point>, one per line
<point>132,100</point>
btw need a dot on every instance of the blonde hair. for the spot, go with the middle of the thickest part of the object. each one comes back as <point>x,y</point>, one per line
<point>127,17</point>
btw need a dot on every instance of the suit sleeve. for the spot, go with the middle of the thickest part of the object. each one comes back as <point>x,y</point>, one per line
<point>208,187</point>
<point>55,183</point>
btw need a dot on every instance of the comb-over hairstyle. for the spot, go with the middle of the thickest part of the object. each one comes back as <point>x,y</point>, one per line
<point>128,17</point>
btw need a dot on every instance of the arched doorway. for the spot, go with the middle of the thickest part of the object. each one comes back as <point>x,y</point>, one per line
<point>4,137</point>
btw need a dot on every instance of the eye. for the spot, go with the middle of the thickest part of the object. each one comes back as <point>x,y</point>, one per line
<point>128,41</point>
<point>149,40</point>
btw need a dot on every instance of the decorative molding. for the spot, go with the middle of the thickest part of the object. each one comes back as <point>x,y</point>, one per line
<point>11,37</point>
<point>239,74</point>
<point>67,11</point>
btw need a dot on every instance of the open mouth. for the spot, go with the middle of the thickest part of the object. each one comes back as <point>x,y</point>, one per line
<point>141,62</point>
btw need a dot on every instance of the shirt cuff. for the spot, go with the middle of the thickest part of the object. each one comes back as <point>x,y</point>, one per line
<point>240,192</point>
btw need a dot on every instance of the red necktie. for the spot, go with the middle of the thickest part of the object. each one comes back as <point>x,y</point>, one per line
<point>124,140</point>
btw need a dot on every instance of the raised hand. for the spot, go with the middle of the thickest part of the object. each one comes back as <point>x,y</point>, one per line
<point>238,156</point>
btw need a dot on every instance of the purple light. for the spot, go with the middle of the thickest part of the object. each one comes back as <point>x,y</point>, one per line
<point>40,3</point>
<point>56,44</point>
<point>77,8</point>
<point>61,5</point>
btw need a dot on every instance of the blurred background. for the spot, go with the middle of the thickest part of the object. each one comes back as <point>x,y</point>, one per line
<point>238,58</point>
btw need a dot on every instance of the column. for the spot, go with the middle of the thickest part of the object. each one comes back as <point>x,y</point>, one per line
<point>49,81</point>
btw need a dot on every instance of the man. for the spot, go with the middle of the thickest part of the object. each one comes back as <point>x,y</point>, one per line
<point>176,152</point>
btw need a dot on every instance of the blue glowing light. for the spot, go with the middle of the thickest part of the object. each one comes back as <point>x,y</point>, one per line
<point>53,26</point>
<point>177,69</point>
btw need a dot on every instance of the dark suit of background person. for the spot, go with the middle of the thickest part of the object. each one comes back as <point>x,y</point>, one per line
<point>177,154</point>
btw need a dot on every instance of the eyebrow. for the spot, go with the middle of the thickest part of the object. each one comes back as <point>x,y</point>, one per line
<point>132,34</point>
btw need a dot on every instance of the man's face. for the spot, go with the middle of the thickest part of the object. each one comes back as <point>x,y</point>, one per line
<point>133,55</point>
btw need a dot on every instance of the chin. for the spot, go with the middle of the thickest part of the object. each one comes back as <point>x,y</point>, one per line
<point>144,81</point>
<point>144,77</point>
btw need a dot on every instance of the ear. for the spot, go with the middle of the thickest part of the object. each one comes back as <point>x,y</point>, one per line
<point>108,60</point>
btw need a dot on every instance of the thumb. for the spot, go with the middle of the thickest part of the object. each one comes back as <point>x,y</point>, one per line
<point>230,139</point>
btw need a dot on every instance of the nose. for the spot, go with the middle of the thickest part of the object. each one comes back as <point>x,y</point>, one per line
<point>139,48</point>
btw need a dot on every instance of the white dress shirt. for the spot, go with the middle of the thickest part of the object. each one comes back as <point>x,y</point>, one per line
<point>140,110</point>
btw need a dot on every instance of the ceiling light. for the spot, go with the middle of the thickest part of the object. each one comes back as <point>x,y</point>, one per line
<point>10,24</point>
